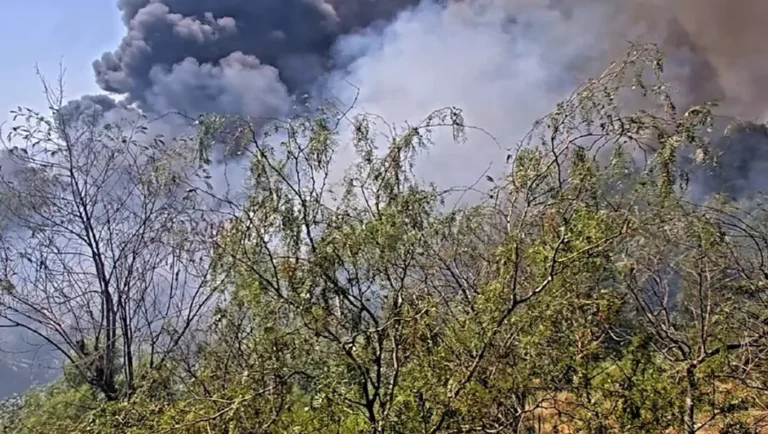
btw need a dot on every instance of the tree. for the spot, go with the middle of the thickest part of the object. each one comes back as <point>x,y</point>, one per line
<point>584,291</point>
<point>104,256</point>
<point>419,310</point>
<point>696,280</point>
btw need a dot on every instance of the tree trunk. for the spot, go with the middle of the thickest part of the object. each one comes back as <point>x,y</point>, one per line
<point>690,401</point>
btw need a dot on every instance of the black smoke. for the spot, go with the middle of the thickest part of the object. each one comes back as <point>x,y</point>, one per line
<point>738,166</point>
<point>229,56</point>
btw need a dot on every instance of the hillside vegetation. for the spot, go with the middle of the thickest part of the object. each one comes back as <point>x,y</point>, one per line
<point>587,291</point>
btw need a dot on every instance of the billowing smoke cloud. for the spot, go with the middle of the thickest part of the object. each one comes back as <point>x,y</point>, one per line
<point>715,46</point>
<point>232,56</point>
<point>504,66</point>
<point>730,35</point>
<point>254,57</point>
<point>507,62</point>
<point>741,169</point>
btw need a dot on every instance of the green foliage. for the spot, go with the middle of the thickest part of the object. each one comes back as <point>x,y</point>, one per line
<point>583,293</point>
<point>55,408</point>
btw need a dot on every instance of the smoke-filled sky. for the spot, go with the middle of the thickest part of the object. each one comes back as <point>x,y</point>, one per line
<point>247,55</point>
<point>251,56</point>
<point>505,62</point>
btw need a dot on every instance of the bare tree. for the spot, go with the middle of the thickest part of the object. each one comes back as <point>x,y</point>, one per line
<point>697,280</point>
<point>103,253</point>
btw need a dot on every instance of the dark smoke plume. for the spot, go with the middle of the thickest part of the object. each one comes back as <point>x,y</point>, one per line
<point>720,43</point>
<point>731,35</point>
<point>229,56</point>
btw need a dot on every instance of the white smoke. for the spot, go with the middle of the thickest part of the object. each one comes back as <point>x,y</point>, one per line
<point>503,64</point>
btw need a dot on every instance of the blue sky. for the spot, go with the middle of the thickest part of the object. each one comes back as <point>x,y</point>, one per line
<point>47,32</point>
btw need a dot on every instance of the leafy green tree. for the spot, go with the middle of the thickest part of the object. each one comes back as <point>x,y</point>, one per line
<point>419,310</point>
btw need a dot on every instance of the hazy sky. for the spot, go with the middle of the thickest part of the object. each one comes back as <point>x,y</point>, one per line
<point>47,32</point>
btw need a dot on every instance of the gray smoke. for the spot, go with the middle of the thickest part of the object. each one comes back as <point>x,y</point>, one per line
<point>504,65</point>
<point>252,56</point>
<point>507,62</point>
<point>229,56</point>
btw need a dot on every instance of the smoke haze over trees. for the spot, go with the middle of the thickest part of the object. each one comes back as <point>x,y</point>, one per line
<point>563,253</point>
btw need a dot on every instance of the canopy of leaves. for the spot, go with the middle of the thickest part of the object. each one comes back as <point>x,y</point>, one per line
<point>586,292</point>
